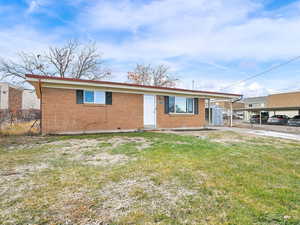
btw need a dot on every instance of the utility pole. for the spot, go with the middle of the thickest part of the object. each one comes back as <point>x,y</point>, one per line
<point>193,85</point>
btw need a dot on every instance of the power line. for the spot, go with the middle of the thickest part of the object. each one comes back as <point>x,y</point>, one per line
<point>264,72</point>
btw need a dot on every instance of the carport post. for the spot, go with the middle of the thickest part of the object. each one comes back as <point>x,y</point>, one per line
<point>231,114</point>
<point>259,117</point>
<point>209,113</point>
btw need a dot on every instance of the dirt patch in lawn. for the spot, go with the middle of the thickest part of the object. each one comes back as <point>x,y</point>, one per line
<point>225,137</point>
<point>14,182</point>
<point>23,169</point>
<point>18,173</point>
<point>130,195</point>
<point>106,159</point>
<point>98,151</point>
<point>22,142</point>
<point>118,200</point>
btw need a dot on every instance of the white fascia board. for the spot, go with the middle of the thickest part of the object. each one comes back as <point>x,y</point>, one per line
<point>141,89</point>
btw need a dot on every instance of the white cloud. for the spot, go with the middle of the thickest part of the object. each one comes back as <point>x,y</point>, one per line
<point>210,30</point>
<point>125,14</point>
<point>23,38</point>
<point>213,33</point>
<point>33,5</point>
<point>252,89</point>
<point>39,6</point>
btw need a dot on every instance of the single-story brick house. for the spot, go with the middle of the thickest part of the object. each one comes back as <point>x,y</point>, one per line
<point>86,106</point>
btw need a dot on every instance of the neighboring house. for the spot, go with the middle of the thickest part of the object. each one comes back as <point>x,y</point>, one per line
<point>30,100</point>
<point>10,98</point>
<point>16,100</point>
<point>253,103</point>
<point>79,106</point>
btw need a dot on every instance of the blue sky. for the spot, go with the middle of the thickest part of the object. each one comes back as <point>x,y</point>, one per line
<point>214,42</point>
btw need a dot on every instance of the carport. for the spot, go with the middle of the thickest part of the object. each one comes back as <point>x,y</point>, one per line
<point>268,109</point>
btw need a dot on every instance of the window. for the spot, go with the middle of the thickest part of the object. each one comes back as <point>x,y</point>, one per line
<point>189,105</point>
<point>94,97</point>
<point>172,104</point>
<point>88,96</point>
<point>99,97</point>
<point>181,105</point>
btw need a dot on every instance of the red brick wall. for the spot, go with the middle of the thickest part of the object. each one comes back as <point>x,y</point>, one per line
<point>60,113</point>
<point>14,99</point>
<point>177,120</point>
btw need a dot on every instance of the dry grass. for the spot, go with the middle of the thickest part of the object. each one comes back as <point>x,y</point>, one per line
<point>19,128</point>
<point>99,151</point>
<point>149,178</point>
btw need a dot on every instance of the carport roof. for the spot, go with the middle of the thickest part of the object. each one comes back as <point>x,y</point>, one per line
<point>269,109</point>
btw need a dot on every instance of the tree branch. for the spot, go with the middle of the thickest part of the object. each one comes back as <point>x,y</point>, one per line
<point>149,75</point>
<point>72,60</point>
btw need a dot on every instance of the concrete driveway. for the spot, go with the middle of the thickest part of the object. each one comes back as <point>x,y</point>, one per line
<point>274,134</point>
<point>244,131</point>
<point>268,127</point>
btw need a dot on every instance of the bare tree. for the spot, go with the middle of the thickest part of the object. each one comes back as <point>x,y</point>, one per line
<point>149,75</point>
<point>71,60</point>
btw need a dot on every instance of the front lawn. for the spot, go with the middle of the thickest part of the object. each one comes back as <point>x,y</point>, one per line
<point>149,178</point>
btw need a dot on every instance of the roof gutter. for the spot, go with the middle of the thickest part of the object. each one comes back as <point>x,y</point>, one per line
<point>238,99</point>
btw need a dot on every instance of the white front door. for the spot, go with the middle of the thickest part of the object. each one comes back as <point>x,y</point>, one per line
<point>149,111</point>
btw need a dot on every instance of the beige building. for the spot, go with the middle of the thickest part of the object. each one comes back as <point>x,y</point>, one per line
<point>30,100</point>
<point>276,104</point>
<point>253,103</point>
<point>286,101</point>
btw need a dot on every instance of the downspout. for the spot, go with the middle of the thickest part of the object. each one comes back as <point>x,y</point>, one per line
<point>209,113</point>
<point>41,97</point>
<point>260,121</point>
<point>238,99</point>
<point>231,114</point>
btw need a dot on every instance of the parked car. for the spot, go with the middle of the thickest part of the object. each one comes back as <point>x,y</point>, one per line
<point>295,121</point>
<point>278,120</point>
<point>256,119</point>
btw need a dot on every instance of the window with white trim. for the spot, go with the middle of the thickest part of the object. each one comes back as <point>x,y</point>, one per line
<point>181,104</point>
<point>94,97</point>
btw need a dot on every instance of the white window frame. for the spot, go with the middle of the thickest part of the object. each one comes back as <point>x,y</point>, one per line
<point>178,113</point>
<point>84,102</point>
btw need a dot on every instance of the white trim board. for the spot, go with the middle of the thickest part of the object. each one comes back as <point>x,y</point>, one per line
<point>138,89</point>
